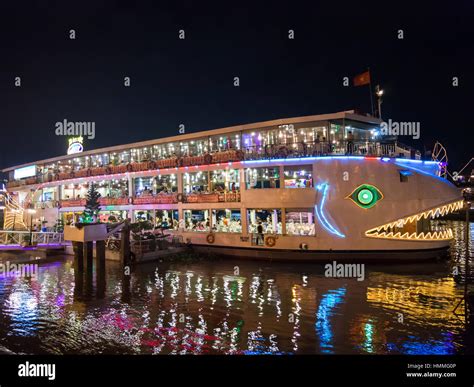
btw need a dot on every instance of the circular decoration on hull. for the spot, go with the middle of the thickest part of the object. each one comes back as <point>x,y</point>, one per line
<point>270,241</point>
<point>366,196</point>
<point>210,238</point>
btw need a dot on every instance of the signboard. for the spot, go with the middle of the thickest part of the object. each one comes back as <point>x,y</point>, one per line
<point>21,173</point>
<point>75,145</point>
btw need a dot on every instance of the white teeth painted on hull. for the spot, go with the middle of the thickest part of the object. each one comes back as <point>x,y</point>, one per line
<point>389,230</point>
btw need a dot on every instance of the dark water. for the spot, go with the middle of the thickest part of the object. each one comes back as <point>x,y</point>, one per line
<point>203,307</point>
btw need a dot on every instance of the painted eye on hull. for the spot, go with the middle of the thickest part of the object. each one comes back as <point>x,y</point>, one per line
<point>366,196</point>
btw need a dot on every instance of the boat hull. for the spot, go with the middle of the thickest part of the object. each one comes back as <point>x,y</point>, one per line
<point>381,256</point>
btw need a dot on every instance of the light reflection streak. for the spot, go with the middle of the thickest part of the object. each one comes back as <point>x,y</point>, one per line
<point>329,302</point>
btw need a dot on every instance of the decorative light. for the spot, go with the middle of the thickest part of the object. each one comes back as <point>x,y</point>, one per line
<point>320,212</point>
<point>386,231</point>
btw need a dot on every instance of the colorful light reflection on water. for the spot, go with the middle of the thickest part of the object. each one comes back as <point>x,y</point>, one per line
<point>204,308</point>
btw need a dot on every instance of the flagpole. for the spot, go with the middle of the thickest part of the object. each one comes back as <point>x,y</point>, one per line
<point>370,91</point>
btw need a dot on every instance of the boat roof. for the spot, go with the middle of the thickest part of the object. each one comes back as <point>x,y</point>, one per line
<point>346,115</point>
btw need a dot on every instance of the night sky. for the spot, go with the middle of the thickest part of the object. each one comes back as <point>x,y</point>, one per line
<point>190,81</point>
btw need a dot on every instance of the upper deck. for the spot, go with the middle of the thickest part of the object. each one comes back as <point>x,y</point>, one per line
<point>319,135</point>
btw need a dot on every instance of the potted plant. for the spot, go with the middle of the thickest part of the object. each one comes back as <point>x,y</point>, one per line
<point>90,228</point>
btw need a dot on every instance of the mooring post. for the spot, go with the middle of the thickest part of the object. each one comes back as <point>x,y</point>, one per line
<point>125,244</point>
<point>78,249</point>
<point>88,253</point>
<point>100,265</point>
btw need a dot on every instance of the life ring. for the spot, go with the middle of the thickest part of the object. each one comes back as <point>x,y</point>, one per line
<point>240,155</point>
<point>89,172</point>
<point>210,238</point>
<point>56,176</point>
<point>129,167</point>
<point>108,170</point>
<point>179,162</point>
<point>207,158</point>
<point>152,165</point>
<point>270,241</point>
<point>72,175</point>
<point>180,197</point>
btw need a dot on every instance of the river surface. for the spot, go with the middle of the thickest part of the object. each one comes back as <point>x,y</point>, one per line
<point>228,306</point>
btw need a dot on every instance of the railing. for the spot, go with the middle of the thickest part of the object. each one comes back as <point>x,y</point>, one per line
<point>211,197</point>
<point>158,199</point>
<point>214,197</point>
<point>292,150</point>
<point>37,238</point>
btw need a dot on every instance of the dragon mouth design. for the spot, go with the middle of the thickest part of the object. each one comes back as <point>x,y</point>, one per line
<point>417,227</point>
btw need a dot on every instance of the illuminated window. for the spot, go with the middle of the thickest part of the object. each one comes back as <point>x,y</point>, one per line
<point>299,221</point>
<point>298,176</point>
<point>256,178</point>
<point>266,221</point>
<point>225,180</point>
<point>197,220</point>
<point>226,220</point>
<point>167,219</point>
<point>195,182</point>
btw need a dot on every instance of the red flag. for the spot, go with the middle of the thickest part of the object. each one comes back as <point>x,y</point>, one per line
<point>362,79</point>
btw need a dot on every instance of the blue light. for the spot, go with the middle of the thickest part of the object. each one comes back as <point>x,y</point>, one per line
<point>320,213</point>
<point>323,325</point>
<point>404,172</point>
<point>430,174</point>
<point>321,158</point>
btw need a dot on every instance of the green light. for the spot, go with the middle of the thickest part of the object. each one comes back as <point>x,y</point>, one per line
<point>366,196</point>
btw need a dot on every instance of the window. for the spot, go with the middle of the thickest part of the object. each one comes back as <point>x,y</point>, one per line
<point>112,216</point>
<point>268,220</point>
<point>404,175</point>
<point>167,219</point>
<point>226,220</point>
<point>298,176</point>
<point>299,221</point>
<point>144,216</point>
<point>195,182</point>
<point>256,178</point>
<point>225,180</point>
<point>197,220</point>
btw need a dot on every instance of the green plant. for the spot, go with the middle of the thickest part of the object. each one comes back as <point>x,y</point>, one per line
<point>92,207</point>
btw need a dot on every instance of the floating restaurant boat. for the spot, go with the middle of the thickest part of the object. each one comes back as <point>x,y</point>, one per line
<point>293,189</point>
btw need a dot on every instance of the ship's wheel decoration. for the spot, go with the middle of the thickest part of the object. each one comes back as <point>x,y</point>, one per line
<point>440,155</point>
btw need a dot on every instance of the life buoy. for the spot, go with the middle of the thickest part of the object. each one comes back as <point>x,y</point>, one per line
<point>207,159</point>
<point>270,241</point>
<point>152,165</point>
<point>210,238</point>
<point>56,176</point>
<point>72,175</point>
<point>179,162</point>
<point>89,172</point>
<point>180,197</point>
<point>129,167</point>
<point>108,170</point>
<point>240,155</point>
